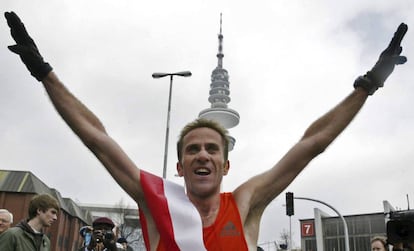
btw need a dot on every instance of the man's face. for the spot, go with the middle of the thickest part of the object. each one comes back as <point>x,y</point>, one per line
<point>4,222</point>
<point>202,164</point>
<point>48,217</point>
<point>377,246</point>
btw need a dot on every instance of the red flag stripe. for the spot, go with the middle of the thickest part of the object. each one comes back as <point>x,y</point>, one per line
<point>177,220</point>
<point>153,188</point>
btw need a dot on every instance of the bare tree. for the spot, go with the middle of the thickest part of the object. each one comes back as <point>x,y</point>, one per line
<point>129,229</point>
<point>285,237</point>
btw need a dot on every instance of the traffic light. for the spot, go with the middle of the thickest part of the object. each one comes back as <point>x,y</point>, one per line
<point>289,204</point>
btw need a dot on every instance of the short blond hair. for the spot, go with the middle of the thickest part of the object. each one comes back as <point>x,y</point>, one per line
<point>200,123</point>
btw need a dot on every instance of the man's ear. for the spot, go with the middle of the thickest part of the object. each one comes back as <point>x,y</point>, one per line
<point>226,167</point>
<point>180,169</point>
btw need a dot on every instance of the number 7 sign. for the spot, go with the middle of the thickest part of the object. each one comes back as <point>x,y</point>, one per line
<point>307,229</point>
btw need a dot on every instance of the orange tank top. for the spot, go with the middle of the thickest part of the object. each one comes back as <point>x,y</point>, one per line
<point>227,231</point>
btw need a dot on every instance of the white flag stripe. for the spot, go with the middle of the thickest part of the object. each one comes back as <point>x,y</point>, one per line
<point>186,221</point>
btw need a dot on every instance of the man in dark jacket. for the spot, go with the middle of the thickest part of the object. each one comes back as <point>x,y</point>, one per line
<point>28,234</point>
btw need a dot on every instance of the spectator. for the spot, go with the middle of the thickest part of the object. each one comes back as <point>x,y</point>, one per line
<point>379,243</point>
<point>86,233</point>
<point>6,219</point>
<point>103,238</point>
<point>124,244</point>
<point>28,235</point>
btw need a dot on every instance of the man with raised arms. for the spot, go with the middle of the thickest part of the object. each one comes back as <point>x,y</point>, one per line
<point>203,218</point>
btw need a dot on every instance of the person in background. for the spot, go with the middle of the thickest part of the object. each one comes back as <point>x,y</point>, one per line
<point>6,219</point>
<point>86,233</point>
<point>124,244</point>
<point>379,243</point>
<point>28,235</point>
<point>103,238</point>
<point>404,247</point>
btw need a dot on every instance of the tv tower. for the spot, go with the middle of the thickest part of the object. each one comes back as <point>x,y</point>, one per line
<point>219,95</point>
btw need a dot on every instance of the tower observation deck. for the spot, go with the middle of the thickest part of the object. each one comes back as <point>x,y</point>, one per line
<point>219,95</point>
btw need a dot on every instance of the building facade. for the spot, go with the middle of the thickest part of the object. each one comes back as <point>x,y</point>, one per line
<point>17,189</point>
<point>326,232</point>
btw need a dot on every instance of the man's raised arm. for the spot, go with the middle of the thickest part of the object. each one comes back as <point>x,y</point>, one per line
<point>324,130</point>
<point>79,118</point>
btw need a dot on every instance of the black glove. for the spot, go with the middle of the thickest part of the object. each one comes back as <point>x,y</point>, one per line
<point>390,57</point>
<point>26,48</point>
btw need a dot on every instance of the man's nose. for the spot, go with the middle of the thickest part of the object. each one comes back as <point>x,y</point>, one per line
<point>203,155</point>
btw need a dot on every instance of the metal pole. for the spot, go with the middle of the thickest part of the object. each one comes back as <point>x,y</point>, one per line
<point>290,233</point>
<point>167,131</point>
<point>336,211</point>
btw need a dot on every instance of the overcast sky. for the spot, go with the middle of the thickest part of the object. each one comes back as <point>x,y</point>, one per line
<point>289,62</point>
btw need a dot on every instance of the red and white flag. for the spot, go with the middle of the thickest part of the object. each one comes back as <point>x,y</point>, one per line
<point>177,220</point>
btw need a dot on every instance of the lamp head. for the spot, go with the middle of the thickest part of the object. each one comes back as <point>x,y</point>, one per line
<point>162,74</point>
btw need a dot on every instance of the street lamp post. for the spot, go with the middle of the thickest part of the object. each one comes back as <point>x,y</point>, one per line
<point>167,131</point>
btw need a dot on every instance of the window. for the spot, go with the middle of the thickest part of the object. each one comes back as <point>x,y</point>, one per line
<point>310,245</point>
<point>331,244</point>
<point>330,228</point>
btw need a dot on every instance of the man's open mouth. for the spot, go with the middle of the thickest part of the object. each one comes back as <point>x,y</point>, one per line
<point>202,171</point>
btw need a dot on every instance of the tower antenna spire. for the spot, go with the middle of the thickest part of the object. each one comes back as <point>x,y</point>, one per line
<point>220,54</point>
<point>220,21</point>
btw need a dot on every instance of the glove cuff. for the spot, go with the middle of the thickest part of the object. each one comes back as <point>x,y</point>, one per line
<point>41,72</point>
<point>366,83</point>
